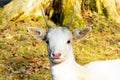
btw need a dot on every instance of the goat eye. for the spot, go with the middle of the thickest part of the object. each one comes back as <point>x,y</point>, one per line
<point>68,42</point>
<point>47,41</point>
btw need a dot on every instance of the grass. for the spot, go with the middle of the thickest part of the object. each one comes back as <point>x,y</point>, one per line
<point>24,58</point>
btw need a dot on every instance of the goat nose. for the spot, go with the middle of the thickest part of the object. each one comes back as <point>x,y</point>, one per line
<point>56,55</point>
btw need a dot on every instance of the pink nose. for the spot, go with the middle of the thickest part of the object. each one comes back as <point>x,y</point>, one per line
<point>56,55</point>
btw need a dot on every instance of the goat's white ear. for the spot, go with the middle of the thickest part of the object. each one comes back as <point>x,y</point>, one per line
<point>37,33</point>
<point>81,32</point>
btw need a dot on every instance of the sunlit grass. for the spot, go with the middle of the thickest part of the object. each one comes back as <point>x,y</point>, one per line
<point>22,57</point>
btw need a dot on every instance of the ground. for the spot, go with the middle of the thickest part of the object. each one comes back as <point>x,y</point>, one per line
<point>24,58</point>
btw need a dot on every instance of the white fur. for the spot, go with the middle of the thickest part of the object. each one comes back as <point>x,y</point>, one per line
<point>66,68</point>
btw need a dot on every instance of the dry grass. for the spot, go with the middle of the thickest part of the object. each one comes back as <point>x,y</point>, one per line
<point>24,58</point>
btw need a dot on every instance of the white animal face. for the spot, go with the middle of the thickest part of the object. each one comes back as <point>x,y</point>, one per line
<point>59,44</point>
<point>58,41</point>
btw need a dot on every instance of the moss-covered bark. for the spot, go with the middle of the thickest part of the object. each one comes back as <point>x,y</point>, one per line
<point>111,9</point>
<point>107,8</point>
<point>22,9</point>
<point>63,10</point>
<point>59,10</point>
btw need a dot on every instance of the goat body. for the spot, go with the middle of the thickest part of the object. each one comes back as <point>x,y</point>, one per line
<point>98,70</point>
<point>103,70</point>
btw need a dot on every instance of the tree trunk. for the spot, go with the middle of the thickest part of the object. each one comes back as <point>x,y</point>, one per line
<point>108,8</point>
<point>63,10</point>
<point>60,11</point>
<point>22,9</point>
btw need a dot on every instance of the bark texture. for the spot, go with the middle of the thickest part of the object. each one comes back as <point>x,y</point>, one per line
<point>60,11</point>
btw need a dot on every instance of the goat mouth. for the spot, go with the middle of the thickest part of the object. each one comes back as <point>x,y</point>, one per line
<point>56,61</point>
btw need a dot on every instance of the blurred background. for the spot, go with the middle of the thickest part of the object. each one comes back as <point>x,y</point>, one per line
<point>24,58</point>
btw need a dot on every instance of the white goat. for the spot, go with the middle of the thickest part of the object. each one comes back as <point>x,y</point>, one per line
<point>62,62</point>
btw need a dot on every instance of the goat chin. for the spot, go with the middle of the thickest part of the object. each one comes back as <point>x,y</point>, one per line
<point>56,61</point>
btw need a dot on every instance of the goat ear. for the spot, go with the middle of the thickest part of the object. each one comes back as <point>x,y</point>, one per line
<point>81,32</point>
<point>37,33</point>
